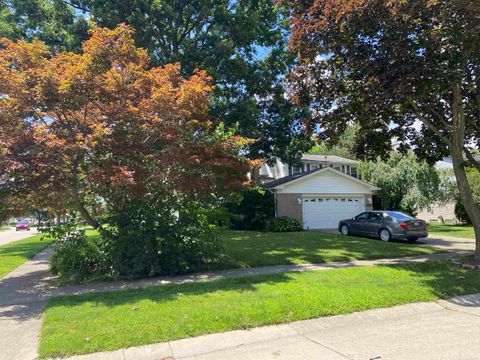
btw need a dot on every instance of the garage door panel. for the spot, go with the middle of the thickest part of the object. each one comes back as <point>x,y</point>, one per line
<point>325,212</point>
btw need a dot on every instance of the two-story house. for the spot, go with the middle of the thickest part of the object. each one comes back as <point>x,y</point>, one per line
<point>319,192</point>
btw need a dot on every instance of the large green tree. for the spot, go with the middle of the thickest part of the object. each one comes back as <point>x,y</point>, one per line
<point>241,44</point>
<point>52,21</point>
<point>408,71</point>
<point>405,183</point>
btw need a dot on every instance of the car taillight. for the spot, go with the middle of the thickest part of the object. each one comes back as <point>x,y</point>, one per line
<point>403,226</point>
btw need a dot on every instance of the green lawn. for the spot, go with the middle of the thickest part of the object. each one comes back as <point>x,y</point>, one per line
<point>16,253</point>
<point>108,321</point>
<point>4,227</point>
<point>463,231</point>
<point>249,248</point>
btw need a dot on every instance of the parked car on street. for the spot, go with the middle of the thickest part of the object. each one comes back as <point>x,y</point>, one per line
<point>22,225</point>
<point>386,225</point>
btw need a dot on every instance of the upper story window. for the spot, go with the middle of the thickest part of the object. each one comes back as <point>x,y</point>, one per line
<point>353,172</point>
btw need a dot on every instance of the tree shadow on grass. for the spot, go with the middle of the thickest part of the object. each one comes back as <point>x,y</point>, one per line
<point>249,249</point>
<point>167,293</point>
<point>24,249</point>
<point>444,278</point>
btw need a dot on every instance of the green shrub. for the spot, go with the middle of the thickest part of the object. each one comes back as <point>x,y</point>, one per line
<point>149,241</point>
<point>253,211</point>
<point>284,224</point>
<point>75,254</point>
<point>140,241</point>
<point>461,213</point>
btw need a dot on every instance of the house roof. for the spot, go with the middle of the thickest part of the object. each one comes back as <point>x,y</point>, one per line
<point>288,179</point>
<point>331,159</point>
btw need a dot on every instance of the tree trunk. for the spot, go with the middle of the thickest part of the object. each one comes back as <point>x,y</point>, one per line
<point>78,201</point>
<point>457,144</point>
<point>85,214</point>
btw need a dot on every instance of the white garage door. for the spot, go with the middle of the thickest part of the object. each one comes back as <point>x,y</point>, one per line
<point>325,212</point>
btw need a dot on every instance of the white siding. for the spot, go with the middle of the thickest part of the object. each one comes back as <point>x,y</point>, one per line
<point>326,182</point>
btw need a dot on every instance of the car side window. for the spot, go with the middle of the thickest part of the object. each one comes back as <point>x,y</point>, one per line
<point>375,216</point>
<point>362,216</point>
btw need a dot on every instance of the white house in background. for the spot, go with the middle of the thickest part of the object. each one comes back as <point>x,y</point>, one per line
<point>319,192</point>
<point>279,169</point>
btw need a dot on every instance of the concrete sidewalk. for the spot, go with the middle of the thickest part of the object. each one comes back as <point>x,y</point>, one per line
<point>432,330</point>
<point>23,295</point>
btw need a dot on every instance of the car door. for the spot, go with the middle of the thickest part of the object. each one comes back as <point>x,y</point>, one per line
<point>358,225</point>
<point>374,223</point>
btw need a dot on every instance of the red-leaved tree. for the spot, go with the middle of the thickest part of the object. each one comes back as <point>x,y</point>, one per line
<point>102,124</point>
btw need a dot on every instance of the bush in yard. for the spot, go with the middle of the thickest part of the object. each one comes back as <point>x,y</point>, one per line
<point>284,224</point>
<point>191,244</point>
<point>461,213</point>
<point>74,254</point>
<point>148,241</point>
<point>253,211</point>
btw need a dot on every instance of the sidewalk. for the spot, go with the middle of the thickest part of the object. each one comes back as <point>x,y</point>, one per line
<point>432,330</point>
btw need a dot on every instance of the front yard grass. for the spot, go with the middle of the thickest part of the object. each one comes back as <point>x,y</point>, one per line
<point>462,231</point>
<point>249,248</point>
<point>16,253</point>
<point>108,321</point>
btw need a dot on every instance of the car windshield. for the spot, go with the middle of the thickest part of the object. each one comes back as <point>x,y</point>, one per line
<point>23,222</point>
<point>398,215</point>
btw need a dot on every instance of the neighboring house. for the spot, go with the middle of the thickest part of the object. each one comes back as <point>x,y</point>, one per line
<point>320,192</point>
<point>442,212</point>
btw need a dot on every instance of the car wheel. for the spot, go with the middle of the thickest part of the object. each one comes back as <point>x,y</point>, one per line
<point>385,235</point>
<point>344,229</point>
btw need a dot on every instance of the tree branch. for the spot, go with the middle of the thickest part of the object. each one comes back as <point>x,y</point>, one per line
<point>427,122</point>
<point>471,159</point>
<point>75,5</point>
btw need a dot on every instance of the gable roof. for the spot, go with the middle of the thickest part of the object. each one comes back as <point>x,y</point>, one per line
<point>293,178</point>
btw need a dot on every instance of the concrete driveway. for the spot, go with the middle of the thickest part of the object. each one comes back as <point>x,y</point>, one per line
<point>451,244</point>
<point>11,235</point>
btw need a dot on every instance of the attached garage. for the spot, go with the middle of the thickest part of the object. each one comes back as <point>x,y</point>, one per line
<point>321,198</point>
<point>323,212</point>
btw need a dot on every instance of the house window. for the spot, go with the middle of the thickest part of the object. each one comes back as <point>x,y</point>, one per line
<point>353,172</point>
<point>313,167</point>
<point>337,168</point>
